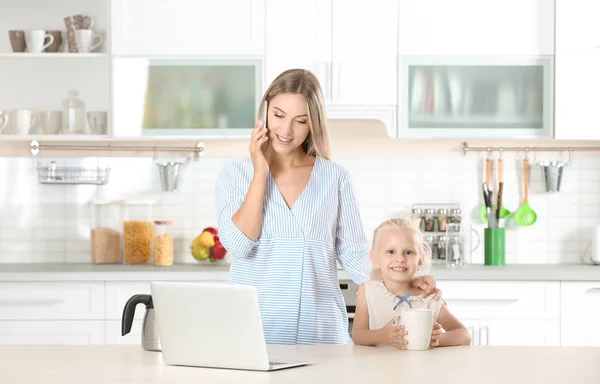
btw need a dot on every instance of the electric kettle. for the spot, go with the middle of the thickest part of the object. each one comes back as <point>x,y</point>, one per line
<point>150,339</point>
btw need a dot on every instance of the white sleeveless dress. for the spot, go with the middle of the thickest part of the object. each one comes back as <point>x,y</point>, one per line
<point>383,305</point>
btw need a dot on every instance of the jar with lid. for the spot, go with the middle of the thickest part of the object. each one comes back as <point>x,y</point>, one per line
<point>430,222</point>
<point>417,214</point>
<point>138,232</point>
<point>443,246</point>
<point>105,231</point>
<point>73,114</point>
<point>163,243</point>
<point>442,217</point>
<point>454,252</point>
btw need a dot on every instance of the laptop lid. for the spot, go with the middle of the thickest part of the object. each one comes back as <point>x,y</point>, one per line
<point>209,325</point>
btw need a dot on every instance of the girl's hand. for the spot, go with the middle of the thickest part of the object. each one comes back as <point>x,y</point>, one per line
<point>436,335</point>
<point>261,166</point>
<point>393,335</point>
<point>427,284</point>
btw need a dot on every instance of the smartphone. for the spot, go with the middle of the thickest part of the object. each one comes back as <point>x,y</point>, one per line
<point>265,116</point>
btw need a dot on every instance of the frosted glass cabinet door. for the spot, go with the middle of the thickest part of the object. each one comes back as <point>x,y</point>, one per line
<point>185,98</point>
<point>473,98</point>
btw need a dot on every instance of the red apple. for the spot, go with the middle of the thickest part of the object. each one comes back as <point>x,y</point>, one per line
<point>218,251</point>
<point>213,231</point>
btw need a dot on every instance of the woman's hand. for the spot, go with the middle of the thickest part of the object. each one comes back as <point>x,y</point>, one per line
<point>393,335</point>
<point>427,284</point>
<point>259,136</point>
<point>436,335</point>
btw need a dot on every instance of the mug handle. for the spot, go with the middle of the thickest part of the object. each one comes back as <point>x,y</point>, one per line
<point>94,46</point>
<point>4,120</point>
<point>478,239</point>
<point>49,43</point>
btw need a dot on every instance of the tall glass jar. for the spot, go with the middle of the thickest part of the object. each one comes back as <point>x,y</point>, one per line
<point>105,231</point>
<point>73,114</point>
<point>417,214</point>
<point>163,243</point>
<point>454,251</point>
<point>138,232</point>
<point>442,219</point>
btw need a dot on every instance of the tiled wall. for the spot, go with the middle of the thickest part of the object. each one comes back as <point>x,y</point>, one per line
<point>50,223</point>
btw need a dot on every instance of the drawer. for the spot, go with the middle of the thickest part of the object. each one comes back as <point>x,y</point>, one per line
<point>117,294</point>
<point>51,301</point>
<point>502,299</point>
<point>580,310</point>
<point>52,332</point>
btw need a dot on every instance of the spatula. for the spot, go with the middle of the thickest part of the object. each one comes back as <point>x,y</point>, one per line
<point>525,216</point>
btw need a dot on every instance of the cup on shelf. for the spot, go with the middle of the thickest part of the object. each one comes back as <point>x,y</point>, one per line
<point>3,120</point>
<point>36,40</point>
<point>51,121</point>
<point>17,40</point>
<point>74,23</point>
<point>97,121</point>
<point>58,40</point>
<point>21,121</point>
<point>84,40</point>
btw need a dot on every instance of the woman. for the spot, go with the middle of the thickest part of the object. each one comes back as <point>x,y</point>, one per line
<point>287,213</point>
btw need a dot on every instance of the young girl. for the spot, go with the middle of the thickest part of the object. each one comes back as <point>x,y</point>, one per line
<point>398,252</point>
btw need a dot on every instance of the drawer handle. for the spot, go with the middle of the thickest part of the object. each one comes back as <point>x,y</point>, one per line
<point>593,291</point>
<point>31,302</point>
<point>483,301</point>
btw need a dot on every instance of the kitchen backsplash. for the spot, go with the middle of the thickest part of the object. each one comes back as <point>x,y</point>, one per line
<point>50,223</point>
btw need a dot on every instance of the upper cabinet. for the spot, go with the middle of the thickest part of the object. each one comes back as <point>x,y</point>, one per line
<point>350,45</point>
<point>475,27</point>
<point>577,62</point>
<point>188,27</point>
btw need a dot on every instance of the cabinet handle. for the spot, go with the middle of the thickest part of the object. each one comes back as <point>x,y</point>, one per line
<point>322,70</point>
<point>14,302</point>
<point>336,81</point>
<point>472,332</point>
<point>483,301</point>
<point>487,335</point>
<point>593,291</point>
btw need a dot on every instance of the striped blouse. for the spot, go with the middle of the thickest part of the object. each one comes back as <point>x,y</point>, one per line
<point>293,262</point>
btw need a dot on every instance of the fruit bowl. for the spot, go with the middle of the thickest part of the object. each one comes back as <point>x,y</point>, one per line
<point>208,247</point>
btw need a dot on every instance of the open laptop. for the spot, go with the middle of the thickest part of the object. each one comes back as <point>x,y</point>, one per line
<point>214,325</point>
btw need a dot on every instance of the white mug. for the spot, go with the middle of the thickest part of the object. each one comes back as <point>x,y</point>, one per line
<point>418,324</point>
<point>51,121</point>
<point>97,122</point>
<point>34,38</point>
<point>3,120</point>
<point>22,121</point>
<point>84,38</point>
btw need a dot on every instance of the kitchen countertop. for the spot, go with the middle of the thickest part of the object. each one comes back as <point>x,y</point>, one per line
<point>218,272</point>
<point>331,364</point>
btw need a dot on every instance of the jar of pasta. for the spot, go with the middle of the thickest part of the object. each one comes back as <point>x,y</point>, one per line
<point>163,243</point>
<point>138,232</point>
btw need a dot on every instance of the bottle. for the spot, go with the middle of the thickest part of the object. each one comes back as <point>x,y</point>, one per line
<point>73,116</point>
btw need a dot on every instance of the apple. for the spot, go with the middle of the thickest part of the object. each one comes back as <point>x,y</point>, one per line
<point>212,230</point>
<point>218,251</point>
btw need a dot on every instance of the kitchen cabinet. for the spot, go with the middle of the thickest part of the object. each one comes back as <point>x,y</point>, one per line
<point>52,332</point>
<point>474,27</point>
<point>577,62</point>
<point>188,27</point>
<point>580,311</point>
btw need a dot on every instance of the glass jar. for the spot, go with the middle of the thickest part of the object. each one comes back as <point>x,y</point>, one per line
<point>138,232</point>
<point>443,246</point>
<point>105,231</point>
<point>430,225</point>
<point>73,114</point>
<point>163,243</point>
<point>442,217</point>
<point>417,214</point>
<point>454,251</point>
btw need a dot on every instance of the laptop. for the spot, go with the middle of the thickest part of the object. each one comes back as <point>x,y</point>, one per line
<point>215,325</point>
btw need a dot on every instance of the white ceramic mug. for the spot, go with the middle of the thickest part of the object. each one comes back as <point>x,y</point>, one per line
<point>51,121</point>
<point>3,120</point>
<point>22,121</point>
<point>34,38</point>
<point>418,323</point>
<point>84,40</point>
<point>97,122</point>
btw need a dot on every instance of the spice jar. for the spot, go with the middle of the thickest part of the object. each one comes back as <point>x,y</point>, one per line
<point>417,214</point>
<point>442,216</point>
<point>430,225</point>
<point>105,231</point>
<point>443,245</point>
<point>138,232</point>
<point>454,255</point>
<point>163,243</point>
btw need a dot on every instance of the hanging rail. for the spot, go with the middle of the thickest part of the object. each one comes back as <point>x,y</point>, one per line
<point>465,148</point>
<point>196,151</point>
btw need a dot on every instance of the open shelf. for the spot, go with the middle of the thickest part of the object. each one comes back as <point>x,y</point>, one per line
<point>52,55</point>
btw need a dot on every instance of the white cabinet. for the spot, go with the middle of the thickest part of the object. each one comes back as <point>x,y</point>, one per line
<point>577,62</point>
<point>51,332</point>
<point>580,311</point>
<point>350,45</point>
<point>502,313</point>
<point>188,27</point>
<point>475,27</point>
<point>113,333</point>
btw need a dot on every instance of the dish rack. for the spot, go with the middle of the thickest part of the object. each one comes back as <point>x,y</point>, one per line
<point>51,174</point>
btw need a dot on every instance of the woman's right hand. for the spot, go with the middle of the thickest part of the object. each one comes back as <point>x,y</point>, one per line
<point>393,335</point>
<point>261,166</point>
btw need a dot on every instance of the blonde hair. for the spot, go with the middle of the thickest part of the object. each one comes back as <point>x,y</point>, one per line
<point>303,82</point>
<point>411,224</point>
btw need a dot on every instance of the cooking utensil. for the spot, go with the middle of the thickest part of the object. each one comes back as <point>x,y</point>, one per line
<point>526,216</point>
<point>499,211</point>
<point>489,211</point>
<point>483,214</point>
<point>504,213</point>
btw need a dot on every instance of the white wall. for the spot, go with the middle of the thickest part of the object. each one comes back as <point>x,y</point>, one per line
<point>50,223</point>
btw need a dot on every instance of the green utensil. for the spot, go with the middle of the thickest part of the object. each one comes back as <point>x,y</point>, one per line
<point>526,216</point>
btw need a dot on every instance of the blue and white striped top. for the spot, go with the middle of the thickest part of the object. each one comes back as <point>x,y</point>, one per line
<point>293,262</point>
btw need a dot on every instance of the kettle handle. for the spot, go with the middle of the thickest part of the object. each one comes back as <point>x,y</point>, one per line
<point>129,311</point>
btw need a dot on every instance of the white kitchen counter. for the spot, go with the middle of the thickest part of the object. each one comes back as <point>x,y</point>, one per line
<point>331,364</point>
<point>194,272</point>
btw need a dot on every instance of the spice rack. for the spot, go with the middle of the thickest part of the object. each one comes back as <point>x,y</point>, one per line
<point>442,227</point>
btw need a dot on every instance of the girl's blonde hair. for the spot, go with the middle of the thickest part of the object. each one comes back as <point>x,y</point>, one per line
<point>303,82</point>
<point>411,224</point>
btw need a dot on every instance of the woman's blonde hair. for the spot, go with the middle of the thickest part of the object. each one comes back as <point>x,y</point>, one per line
<point>303,82</point>
<point>411,224</point>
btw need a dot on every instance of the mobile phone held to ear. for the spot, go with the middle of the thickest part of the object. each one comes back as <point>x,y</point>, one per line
<point>265,116</point>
